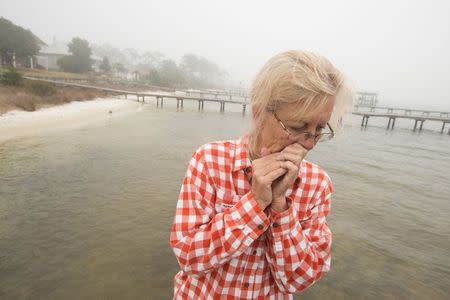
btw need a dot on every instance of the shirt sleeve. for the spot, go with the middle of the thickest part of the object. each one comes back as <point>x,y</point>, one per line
<point>299,251</point>
<point>202,239</point>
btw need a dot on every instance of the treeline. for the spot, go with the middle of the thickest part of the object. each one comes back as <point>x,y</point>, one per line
<point>20,45</point>
<point>154,67</point>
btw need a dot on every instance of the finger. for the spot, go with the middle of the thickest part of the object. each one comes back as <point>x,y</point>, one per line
<point>300,152</point>
<point>263,161</point>
<point>291,174</point>
<point>272,176</point>
<point>271,166</point>
<point>292,171</point>
<point>295,158</point>
<point>295,148</point>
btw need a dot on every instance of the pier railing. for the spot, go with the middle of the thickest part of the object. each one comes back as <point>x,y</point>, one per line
<point>403,111</point>
<point>392,113</point>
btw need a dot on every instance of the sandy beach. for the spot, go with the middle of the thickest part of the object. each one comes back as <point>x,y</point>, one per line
<point>17,124</point>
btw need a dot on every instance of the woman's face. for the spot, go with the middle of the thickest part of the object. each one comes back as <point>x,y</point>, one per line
<point>275,138</point>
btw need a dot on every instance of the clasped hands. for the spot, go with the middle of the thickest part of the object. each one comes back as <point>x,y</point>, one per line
<point>274,173</point>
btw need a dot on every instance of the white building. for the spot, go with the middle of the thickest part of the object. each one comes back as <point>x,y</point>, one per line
<point>49,55</point>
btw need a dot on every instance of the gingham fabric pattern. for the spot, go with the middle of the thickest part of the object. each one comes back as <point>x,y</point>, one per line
<point>229,248</point>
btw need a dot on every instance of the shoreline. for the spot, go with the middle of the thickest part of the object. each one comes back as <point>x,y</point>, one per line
<point>30,98</point>
<point>16,124</point>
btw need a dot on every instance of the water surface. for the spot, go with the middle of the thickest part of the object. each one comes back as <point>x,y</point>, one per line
<point>85,213</point>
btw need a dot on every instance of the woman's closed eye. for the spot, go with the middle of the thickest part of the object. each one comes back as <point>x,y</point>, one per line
<point>298,127</point>
<point>303,128</point>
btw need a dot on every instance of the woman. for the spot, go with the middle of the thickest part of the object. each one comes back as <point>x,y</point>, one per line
<point>250,221</point>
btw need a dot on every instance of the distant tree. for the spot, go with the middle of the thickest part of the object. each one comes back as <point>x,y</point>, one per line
<point>170,73</point>
<point>80,61</point>
<point>114,55</point>
<point>105,66</point>
<point>80,47</point>
<point>16,40</point>
<point>154,77</point>
<point>152,59</point>
<point>190,64</point>
<point>131,55</point>
<point>118,67</point>
<point>199,71</point>
<point>143,68</point>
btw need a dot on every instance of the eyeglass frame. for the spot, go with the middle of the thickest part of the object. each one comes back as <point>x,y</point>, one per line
<point>317,137</point>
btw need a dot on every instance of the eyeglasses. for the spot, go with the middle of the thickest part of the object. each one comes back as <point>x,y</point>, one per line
<point>305,135</point>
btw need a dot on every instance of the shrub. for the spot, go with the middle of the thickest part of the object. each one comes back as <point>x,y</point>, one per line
<point>41,88</point>
<point>26,103</point>
<point>11,77</point>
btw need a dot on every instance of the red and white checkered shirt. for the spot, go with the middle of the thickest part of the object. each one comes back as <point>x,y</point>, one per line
<point>229,248</point>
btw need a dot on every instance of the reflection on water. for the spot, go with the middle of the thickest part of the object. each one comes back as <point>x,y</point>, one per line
<point>86,213</point>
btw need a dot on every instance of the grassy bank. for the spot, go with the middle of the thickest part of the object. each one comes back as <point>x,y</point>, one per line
<point>29,99</point>
<point>49,74</point>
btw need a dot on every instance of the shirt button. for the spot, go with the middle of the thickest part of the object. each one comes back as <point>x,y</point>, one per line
<point>255,252</point>
<point>260,227</point>
<point>246,285</point>
<point>275,224</point>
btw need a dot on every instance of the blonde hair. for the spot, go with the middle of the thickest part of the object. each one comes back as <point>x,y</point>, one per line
<point>297,76</point>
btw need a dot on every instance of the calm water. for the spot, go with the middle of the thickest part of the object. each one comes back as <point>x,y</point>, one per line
<point>86,213</point>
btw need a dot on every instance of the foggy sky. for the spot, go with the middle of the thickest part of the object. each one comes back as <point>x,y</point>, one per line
<point>400,49</point>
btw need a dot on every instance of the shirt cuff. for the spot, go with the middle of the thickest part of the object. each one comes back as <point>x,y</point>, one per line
<point>249,216</point>
<point>284,222</point>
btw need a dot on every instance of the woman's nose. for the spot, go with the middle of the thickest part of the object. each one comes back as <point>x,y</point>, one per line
<point>309,143</point>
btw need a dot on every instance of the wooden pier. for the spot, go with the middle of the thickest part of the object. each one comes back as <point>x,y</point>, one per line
<point>222,98</point>
<point>203,96</point>
<point>391,113</point>
<point>217,94</point>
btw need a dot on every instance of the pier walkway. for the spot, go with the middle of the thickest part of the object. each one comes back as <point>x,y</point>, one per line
<point>391,113</point>
<point>203,96</point>
<point>240,98</point>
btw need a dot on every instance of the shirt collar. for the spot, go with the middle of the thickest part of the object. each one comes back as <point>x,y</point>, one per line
<point>241,154</point>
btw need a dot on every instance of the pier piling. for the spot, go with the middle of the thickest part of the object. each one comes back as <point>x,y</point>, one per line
<point>180,102</point>
<point>391,123</point>
<point>364,121</point>
<point>159,101</point>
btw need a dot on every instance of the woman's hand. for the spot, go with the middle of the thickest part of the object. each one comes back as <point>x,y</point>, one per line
<point>265,171</point>
<point>293,154</point>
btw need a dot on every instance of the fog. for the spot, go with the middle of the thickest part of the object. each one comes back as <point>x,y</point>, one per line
<point>399,49</point>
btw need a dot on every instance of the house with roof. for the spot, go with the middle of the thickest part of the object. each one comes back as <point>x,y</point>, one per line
<point>49,55</point>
